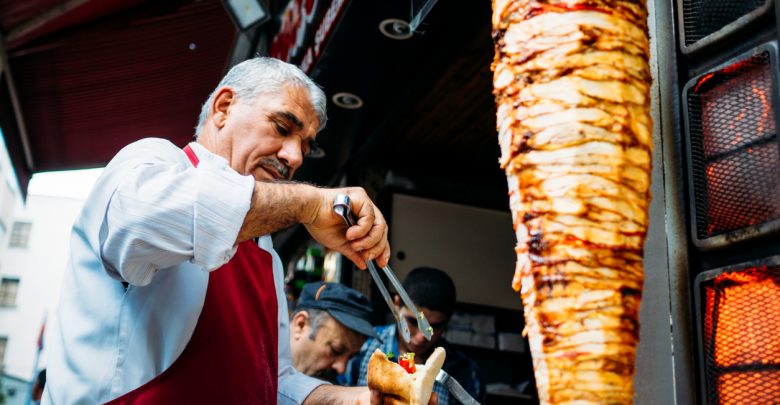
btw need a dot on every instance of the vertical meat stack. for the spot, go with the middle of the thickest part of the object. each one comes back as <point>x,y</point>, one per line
<point>572,81</point>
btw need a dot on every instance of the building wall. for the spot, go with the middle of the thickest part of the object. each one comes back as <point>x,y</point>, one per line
<point>39,268</point>
<point>10,197</point>
<point>15,390</point>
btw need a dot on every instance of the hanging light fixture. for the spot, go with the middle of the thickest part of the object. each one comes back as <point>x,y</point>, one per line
<point>347,101</point>
<point>247,14</point>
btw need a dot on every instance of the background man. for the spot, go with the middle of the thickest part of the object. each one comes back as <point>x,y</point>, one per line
<point>433,292</point>
<point>328,327</point>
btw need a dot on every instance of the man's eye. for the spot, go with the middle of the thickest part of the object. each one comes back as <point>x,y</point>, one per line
<point>282,130</point>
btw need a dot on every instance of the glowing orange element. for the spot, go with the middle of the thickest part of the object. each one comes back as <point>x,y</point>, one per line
<point>741,388</point>
<point>737,117</point>
<point>767,108</point>
<point>742,336</point>
<point>703,80</point>
<point>735,106</point>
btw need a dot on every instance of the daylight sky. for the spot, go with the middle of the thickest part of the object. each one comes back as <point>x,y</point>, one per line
<point>70,183</point>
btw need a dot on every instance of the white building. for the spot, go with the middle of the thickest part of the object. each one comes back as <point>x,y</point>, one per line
<point>34,251</point>
<point>34,259</point>
<point>10,197</point>
<point>10,203</point>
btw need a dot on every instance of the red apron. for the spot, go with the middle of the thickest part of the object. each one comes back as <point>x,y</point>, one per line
<point>232,355</point>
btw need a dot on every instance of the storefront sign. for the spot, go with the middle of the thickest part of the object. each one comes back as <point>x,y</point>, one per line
<point>306,25</point>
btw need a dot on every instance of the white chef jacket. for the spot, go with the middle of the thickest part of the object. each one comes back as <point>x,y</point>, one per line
<point>151,229</point>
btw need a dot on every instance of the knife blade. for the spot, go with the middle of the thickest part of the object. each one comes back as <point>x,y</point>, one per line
<point>455,388</point>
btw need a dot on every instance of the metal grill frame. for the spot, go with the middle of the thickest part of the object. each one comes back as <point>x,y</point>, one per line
<point>750,232</point>
<point>704,277</point>
<point>726,31</point>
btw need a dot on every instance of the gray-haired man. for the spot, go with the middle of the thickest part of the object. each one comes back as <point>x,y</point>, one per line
<point>330,323</point>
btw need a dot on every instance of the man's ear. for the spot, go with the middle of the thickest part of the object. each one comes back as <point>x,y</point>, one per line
<point>299,324</point>
<point>220,106</point>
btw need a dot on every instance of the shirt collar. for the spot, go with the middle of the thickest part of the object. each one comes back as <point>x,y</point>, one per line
<point>212,159</point>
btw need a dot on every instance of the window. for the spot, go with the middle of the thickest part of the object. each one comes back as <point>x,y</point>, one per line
<point>8,289</point>
<point>3,343</point>
<point>20,234</point>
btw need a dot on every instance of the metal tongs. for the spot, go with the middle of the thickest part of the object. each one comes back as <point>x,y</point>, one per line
<point>342,207</point>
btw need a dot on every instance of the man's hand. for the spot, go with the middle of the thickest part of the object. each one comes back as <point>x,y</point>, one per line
<point>276,206</point>
<point>364,241</point>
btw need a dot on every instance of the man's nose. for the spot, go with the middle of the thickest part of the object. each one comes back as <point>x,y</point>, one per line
<point>292,153</point>
<point>340,366</point>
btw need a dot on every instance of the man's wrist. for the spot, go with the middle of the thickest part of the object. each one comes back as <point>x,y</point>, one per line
<point>312,200</point>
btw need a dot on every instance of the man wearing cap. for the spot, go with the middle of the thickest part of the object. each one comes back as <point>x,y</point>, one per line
<point>328,327</point>
<point>433,293</point>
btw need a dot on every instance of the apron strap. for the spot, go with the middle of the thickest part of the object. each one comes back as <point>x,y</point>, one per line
<point>191,155</point>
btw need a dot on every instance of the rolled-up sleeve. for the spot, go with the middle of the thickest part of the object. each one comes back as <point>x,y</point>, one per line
<point>164,211</point>
<point>295,387</point>
<point>223,199</point>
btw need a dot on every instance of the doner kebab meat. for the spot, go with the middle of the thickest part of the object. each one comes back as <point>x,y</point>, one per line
<point>571,81</point>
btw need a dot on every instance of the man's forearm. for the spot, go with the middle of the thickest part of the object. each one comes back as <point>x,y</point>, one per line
<point>277,206</point>
<point>334,394</point>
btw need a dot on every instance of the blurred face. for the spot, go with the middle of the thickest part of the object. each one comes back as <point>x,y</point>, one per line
<point>330,349</point>
<point>418,344</point>
<point>266,137</point>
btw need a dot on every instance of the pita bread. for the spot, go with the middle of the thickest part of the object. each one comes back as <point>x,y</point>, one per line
<point>399,386</point>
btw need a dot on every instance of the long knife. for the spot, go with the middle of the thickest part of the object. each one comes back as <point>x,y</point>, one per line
<point>455,388</point>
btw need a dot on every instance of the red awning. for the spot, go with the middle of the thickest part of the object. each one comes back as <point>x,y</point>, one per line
<point>91,76</point>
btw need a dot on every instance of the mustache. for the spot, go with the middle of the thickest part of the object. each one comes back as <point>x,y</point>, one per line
<point>280,167</point>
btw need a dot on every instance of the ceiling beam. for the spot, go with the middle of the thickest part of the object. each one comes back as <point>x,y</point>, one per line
<point>44,18</point>
<point>6,70</point>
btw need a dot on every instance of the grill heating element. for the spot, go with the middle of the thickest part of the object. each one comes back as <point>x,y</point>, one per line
<point>734,163</point>
<point>727,63</point>
<point>739,323</point>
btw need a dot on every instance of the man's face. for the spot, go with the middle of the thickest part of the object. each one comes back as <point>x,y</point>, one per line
<point>418,344</point>
<point>331,347</point>
<point>267,137</point>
